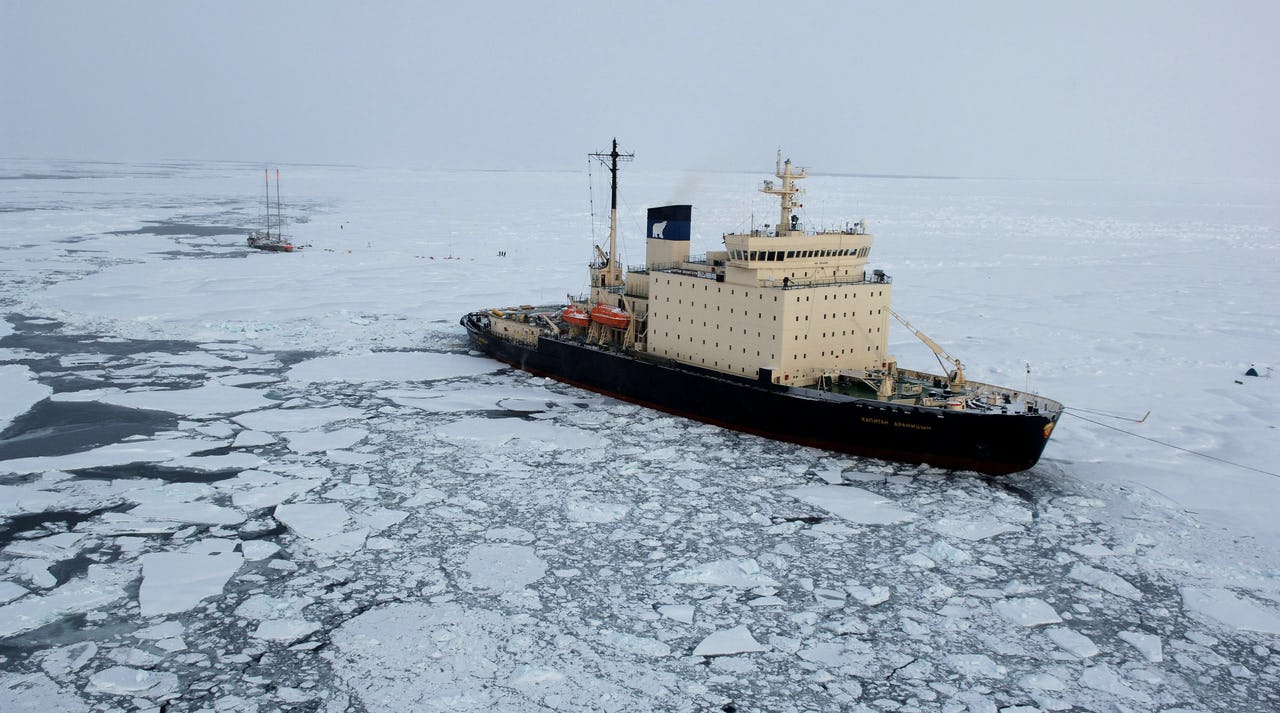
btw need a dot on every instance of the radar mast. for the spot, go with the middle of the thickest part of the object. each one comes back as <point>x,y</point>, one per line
<point>787,191</point>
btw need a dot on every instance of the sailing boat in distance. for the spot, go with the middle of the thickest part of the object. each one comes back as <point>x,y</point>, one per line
<point>266,239</point>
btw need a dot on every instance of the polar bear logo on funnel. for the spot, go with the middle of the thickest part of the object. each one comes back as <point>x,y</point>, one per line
<point>658,228</point>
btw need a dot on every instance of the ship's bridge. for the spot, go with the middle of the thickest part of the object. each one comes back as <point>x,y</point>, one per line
<point>758,248</point>
<point>797,255</point>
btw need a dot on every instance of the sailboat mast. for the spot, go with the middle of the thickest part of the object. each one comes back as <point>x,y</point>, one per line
<point>279,214</point>
<point>266,202</point>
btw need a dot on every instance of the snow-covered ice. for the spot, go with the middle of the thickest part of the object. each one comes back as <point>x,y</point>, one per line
<point>397,367</point>
<point>728,642</point>
<point>174,582</point>
<point>853,504</point>
<point>1227,607</point>
<point>334,505</point>
<point>1027,611</point>
<point>19,390</point>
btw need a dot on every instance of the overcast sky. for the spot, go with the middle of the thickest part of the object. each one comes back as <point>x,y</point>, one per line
<point>1079,89</point>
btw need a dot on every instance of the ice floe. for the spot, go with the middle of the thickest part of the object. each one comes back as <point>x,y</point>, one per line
<point>729,642</point>
<point>98,588</point>
<point>201,402</point>
<point>1105,581</point>
<point>135,682</point>
<point>19,391</point>
<point>140,451</point>
<point>314,441</point>
<point>853,504</point>
<point>741,573</point>
<point>502,567</point>
<point>174,582</point>
<point>1027,611</point>
<point>1229,608</point>
<point>296,419</point>
<point>400,367</point>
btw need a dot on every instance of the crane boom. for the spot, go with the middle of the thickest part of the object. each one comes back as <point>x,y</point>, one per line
<point>956,374</point>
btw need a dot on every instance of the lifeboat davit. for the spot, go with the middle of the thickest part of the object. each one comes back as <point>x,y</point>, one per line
<point>573,314</point>
<point>610,316</point>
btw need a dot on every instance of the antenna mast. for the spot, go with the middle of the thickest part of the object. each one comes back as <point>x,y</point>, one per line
<point>610,266</point>
<point>787,191</point>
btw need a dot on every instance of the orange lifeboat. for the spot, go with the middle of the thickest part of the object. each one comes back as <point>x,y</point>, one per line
<point>610,316</point>
<point>573,314</point>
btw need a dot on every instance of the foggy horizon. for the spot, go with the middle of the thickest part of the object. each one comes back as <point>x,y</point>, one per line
<point>1006,90</point>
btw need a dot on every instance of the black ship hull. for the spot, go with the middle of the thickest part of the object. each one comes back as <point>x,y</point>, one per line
<point>986,442</point>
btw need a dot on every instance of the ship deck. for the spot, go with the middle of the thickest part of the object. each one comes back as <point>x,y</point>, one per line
<point>911,388</point>
<point>916,388</point>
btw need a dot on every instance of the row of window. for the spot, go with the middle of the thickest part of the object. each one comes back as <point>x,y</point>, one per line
<point>836,297</point>
<point>777,255</point>
<point>747,293</point>
<point>743,369</point>
<point>706,288</point>
<point>834,315</point>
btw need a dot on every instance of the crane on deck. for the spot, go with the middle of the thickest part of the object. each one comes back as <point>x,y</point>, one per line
<point>955,375</point>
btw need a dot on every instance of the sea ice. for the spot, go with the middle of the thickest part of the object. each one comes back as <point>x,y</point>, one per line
<point>64,660</point>
<point>480,660</point>
<point>1104,678</point>
<point>682,613</point>
<point>974,666</point>
<point>59,546</point>
<point>77,596</point>
<point>869,596</point>
<point>197,513</point>
<point>177,581</point>
<point>1149,645</point>
<point>596,512</point>
<point>286,630</point>
<point>10,591</point>
<point>313,521</point>
<point>972,530</point>
<point>503,567</point>
<point>296,419</point>
<point>204,401</point>
<point>253,489</point>
<point>36,691</point>
<point>1027,611</point>
<point>318,440</point>
<point>1227,607</point>
<point>742,573</point>
<point>140,451</point>
<point>853,504</point>
<point>728,642</point>
<point>943,552</point>
<point>134,682</point>
<point>1073,642</point>
<point>249,439</point>
<point>255,550</point>
<point>1106,581</point>
<point>632,644</point>
<point>390,366</point>
<point>509,433</point>
<point>19,391</point>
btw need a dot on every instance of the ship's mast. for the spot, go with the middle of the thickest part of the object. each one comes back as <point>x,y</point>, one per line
<point>266,202</point>
<point>787,191</point>
<point>611,270</point>
<point>279,214</point>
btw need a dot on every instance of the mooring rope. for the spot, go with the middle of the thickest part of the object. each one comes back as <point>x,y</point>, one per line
<point>1168,445</point>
